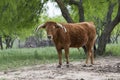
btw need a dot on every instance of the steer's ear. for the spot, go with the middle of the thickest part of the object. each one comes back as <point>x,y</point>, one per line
<point>57,26</point>
<point>61,26</point>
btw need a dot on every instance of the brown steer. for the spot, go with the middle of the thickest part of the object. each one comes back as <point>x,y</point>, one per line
<point>66,35</point>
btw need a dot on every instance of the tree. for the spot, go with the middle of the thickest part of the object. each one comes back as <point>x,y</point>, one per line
<point>64,11</point>
<point>1,45</point>
<point>109,25</point>
<point>17,17</point>
<point>79,5</point>
<point>107,31</point>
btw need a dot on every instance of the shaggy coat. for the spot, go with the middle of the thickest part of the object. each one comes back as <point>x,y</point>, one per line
<point>66,35</point>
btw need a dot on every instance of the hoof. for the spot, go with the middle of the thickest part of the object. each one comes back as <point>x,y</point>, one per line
<point>86,65</point>
<point>67,65</point>
<point>90,65</point>
<point>59,66</point>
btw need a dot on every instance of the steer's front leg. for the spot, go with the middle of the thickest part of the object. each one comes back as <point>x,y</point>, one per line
<point>60,57</point>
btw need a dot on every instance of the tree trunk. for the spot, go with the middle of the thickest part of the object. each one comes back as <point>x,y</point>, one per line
<point>64,11</point>
<point>109,17</point>
<point>19,45</point>
<point>80,9</point>
<point>9,42</point>
<point>107,31</point>
<point>1,45</point>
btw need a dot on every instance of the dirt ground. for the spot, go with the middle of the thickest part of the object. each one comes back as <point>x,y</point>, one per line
<point>105,68</point>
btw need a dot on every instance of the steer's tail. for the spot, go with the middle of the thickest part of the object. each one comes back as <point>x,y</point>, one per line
<point>95,50</point>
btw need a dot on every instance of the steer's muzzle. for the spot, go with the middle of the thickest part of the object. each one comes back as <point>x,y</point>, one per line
<point>49,37</point>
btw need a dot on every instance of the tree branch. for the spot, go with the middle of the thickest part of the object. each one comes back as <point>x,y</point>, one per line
<point>117,18</point>
<point>80,9</point>
<point>73,2</point>
<point>64,11</point>
<point>110,11</point>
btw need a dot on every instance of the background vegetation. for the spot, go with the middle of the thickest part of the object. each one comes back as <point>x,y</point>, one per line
<point>19,18</point>
<point>15,58</point>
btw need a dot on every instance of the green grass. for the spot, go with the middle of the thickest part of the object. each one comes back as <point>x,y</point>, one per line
<point>113,49</point>
<point>14,58</point>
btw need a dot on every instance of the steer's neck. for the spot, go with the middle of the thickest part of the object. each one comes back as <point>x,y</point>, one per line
<point>60,36</point>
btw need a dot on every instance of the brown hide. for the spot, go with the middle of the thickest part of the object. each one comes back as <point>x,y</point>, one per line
<point>76,35</point>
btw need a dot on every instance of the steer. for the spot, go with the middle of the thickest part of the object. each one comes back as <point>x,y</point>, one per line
<point>66,35</point>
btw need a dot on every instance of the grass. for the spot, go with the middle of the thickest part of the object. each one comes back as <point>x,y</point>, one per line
<point>14,58</point>
<point>113,49</point>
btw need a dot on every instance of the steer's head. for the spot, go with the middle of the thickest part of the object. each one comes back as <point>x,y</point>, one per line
<point>51,28</point>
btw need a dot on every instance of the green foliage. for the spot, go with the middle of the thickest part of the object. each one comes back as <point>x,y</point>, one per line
<point>17,15</point>
<point>44,17</point>
<point>96,8</point>
<point>74,12</point>
<point>93,9</point>
<point>116,30</point>
<point>20,17</point>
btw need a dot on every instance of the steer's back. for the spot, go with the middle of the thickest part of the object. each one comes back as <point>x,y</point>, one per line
<point>80,33</point>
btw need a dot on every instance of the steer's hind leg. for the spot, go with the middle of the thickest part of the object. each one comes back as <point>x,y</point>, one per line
<point>90,55</point>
